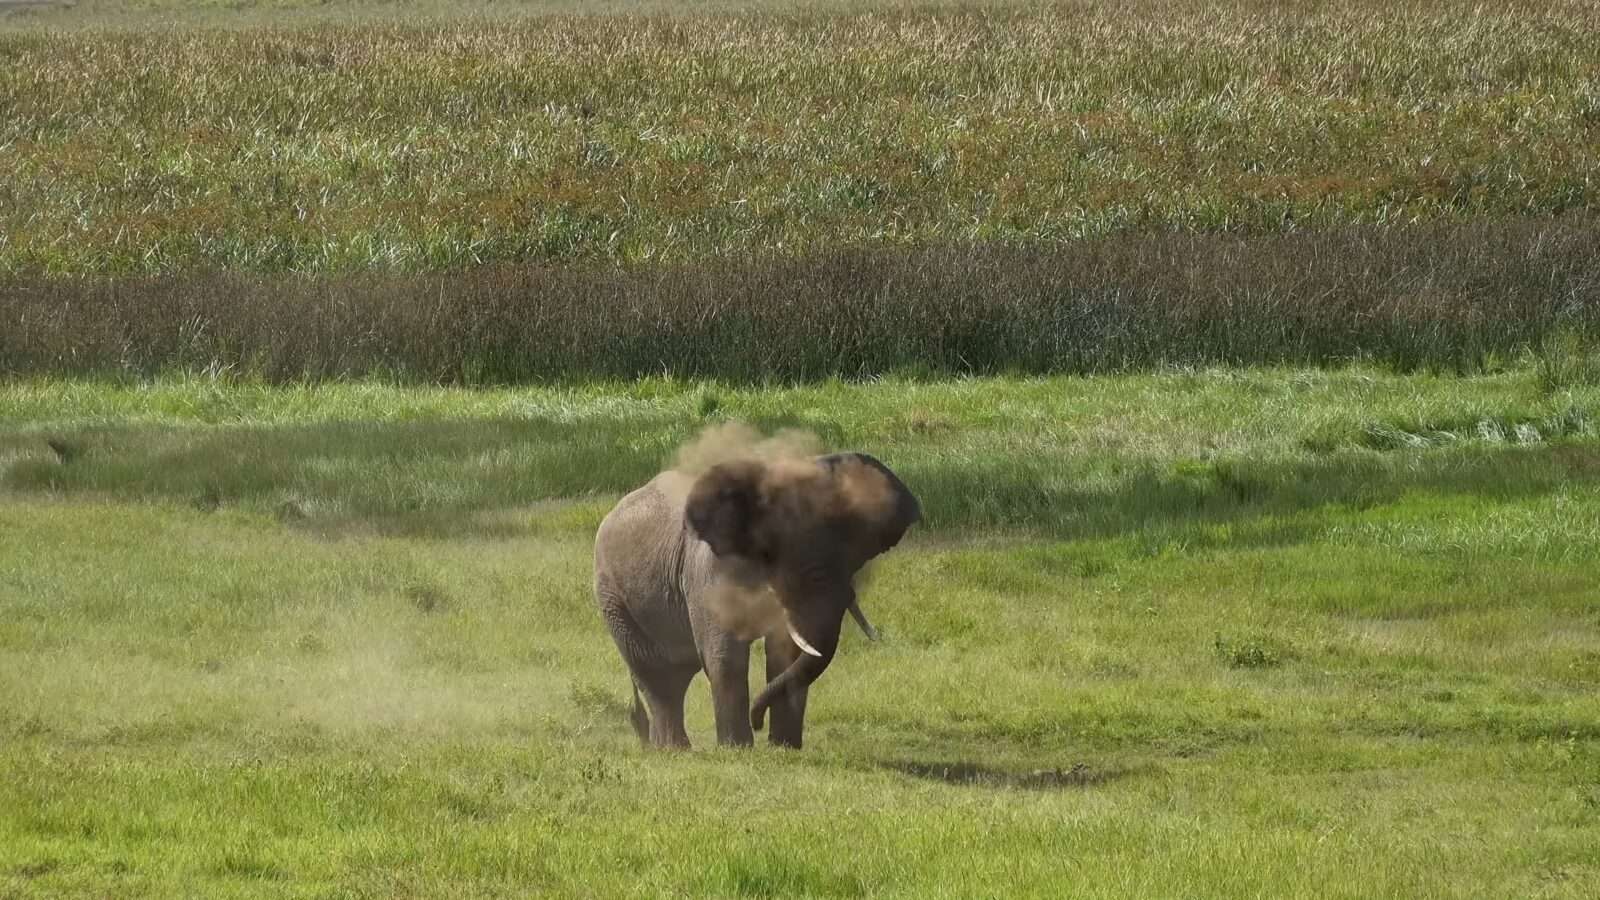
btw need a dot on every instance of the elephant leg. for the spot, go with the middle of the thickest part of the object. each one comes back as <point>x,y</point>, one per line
<point>663,689</point>
<point>661,682</point>
<point>728,670</point>
<point>788,715</point>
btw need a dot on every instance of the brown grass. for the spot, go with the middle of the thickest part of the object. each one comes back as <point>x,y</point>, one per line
<point>1441,296</point>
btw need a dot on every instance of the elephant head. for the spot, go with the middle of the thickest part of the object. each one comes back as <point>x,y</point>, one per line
<point>806,528</point>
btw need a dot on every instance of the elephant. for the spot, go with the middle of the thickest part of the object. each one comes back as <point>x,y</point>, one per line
<point>690,571</point>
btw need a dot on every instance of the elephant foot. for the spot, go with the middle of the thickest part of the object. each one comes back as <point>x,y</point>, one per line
<point>669,741</point>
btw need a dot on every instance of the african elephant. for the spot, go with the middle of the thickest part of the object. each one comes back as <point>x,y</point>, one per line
<point>689,571</point>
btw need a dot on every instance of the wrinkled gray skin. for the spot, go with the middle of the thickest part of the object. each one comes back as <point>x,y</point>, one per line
<point>667,549</point>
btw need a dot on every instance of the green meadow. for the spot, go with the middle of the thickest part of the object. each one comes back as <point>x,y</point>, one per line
<point>1217,633</point>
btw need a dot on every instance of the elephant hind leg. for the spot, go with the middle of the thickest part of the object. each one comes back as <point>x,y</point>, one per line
<point>658,681</point>
<point>663,688</point>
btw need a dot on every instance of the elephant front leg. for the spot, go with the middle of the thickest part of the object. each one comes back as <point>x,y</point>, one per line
<point>728,670</point>
<point>787,717</point>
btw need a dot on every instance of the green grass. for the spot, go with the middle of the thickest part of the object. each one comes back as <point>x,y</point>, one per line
<point>638,139</point>
<point>1225,633</point>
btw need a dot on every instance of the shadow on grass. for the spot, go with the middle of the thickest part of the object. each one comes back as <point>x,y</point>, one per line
<point>1046,496</point>
<point>478,477</point>
<point>973,774</point>
<point>426,478</point>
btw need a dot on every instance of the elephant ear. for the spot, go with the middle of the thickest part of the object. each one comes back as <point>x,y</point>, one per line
<point>725,507</point>
<point>875,497</point>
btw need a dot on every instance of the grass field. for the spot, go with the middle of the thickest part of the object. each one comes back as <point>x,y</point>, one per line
<point>1245,358</point>
<point>512,193</point>
<point>649,138</point>
<point>1269,633</point>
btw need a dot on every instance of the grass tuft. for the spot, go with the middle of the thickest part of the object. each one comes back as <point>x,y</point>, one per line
<point>1254,651</point>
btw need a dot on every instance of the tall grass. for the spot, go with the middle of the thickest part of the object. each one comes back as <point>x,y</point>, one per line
<point>1054,187</point>
<point>650,138</point>
<point>1458,298</point>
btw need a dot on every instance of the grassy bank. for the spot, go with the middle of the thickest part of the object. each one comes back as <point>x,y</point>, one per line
<point>1295,633</point>
<point>642,139</point>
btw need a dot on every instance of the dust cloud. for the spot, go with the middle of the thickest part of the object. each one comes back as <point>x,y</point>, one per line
<point>741,597</point>
<point>793,481</point>
<point>735,441</point>
<point>796,492</point>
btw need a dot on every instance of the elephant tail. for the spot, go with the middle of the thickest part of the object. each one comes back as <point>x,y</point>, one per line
<point>641,721</point>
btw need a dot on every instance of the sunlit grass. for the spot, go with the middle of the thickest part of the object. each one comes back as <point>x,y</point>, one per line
<point>1194,631</point>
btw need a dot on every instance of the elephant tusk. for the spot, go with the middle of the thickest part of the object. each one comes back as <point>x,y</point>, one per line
<point>861,619</point>
<point>795,636</point>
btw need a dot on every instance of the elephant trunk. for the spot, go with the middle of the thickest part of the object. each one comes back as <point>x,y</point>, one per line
<point>818,646</point>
